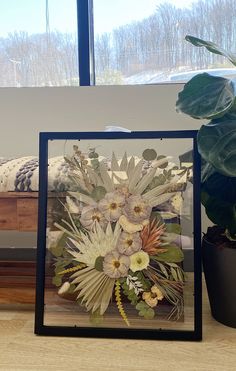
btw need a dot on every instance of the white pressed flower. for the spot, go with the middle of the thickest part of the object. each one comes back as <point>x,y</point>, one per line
<point>137,209</point>
<point>116,265</point>
<point>96,243</point>
<point>129,243</point>
<point>90,215</point>
<point>111,206</point>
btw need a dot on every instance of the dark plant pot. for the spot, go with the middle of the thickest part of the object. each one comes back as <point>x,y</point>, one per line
<point>219,266</point>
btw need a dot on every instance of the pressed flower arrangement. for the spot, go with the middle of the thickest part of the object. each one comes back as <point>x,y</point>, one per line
<point>118,241</point>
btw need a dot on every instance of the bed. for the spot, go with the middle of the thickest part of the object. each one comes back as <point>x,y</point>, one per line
<point>19,190</point>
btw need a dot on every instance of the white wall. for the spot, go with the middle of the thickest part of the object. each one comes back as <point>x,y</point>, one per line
<point>24,112</point>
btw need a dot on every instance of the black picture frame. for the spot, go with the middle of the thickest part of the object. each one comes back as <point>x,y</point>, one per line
<point>105,332</point>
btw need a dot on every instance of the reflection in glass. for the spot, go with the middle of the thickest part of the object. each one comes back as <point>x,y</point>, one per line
<point>120,234</point>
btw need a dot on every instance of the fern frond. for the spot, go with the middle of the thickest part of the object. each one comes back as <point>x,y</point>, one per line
<point>119,303</point>
<point>73,269</point>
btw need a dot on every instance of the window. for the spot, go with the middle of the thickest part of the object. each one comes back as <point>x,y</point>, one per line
<point>38,43</point>
<point>119,41</point>
<point>142,41</point>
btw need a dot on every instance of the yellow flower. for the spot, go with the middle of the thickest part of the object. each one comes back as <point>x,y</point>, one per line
<point>139,261</point>
<point>152,297</point>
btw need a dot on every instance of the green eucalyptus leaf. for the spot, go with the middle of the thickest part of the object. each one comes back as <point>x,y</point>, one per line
<point>141,306</point>
<point>149,313</point>
<point>217,145</point>
<point>98,193</point>
<point>149,154</point>
<point>173,255</point>
<point>57,281</point>
<point>206,97</point>
<point>144,310</point>
<point>99,263</point>
<point>211,47</point>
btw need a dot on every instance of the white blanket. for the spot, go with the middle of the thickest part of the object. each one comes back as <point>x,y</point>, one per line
<point>21,174</point>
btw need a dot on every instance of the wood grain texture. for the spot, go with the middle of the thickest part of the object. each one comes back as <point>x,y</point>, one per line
<point>27,214</point>
<point>21,274</point>
<point>18,213</point>
<point>20,349</point>
<point>8,214</point>
<point>19,210</point>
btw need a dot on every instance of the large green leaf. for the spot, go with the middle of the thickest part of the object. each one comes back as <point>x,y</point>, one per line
<point>212,47</point>
<point>217,145</point>
<point>206,97</point>
<point>222,213</point>
<point>215,185</point>
<point>173,255</point>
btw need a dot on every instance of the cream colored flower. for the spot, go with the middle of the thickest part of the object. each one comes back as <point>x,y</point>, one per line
<point>90,216</point>
<point>137,209</point>
<point>177,202</point>
<point>111,206</point>
<point>129,243</point>
<point>139,261</point>
<point>116,265</point>
<point>152,297</point>
<point>129,227</point>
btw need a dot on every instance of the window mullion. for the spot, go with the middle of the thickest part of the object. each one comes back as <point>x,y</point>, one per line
<point>85,42</point>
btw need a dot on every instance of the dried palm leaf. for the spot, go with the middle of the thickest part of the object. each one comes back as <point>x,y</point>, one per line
<point>124,163</point>
<point>144,182</point>
<point>107,182</point>
<point>114,163</point>
<point>135,176</point>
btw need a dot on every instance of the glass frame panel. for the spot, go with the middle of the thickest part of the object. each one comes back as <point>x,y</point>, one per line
<point>110,332</point>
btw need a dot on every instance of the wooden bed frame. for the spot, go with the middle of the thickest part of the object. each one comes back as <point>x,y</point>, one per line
<point>19,211</point>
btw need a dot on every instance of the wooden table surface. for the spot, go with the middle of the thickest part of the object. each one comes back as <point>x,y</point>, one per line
<point>20,349</point>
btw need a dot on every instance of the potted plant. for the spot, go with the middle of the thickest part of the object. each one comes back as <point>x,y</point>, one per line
<point>214,98</point>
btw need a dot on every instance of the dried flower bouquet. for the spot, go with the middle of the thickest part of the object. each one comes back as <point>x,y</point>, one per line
<point>118,238</point>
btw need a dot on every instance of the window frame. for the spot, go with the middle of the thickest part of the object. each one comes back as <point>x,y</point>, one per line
<point>85,29</point>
